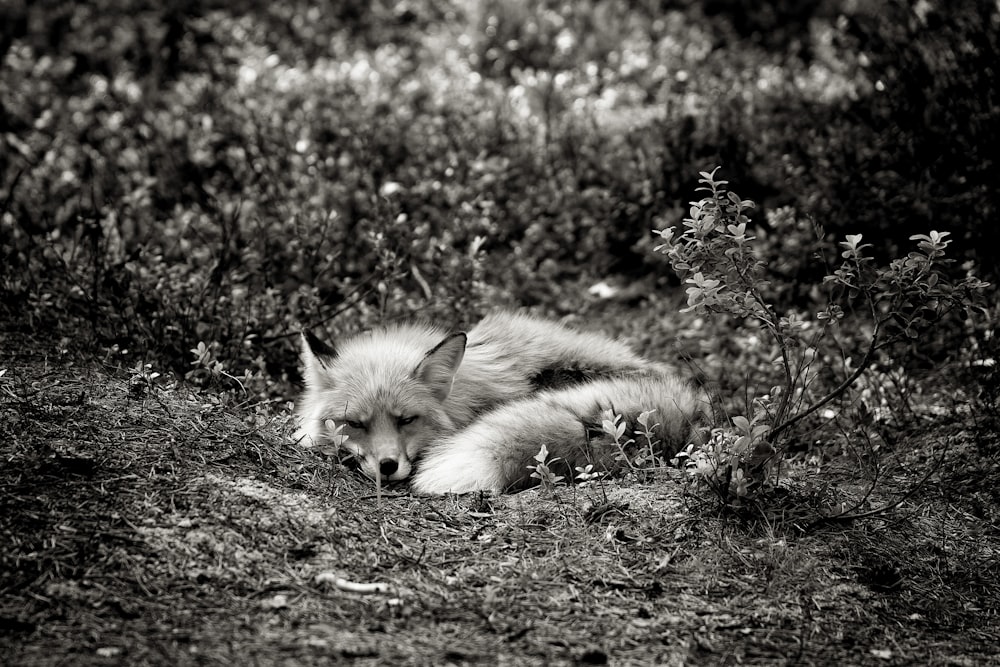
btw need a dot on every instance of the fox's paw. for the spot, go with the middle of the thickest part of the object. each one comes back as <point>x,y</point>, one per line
<point>446,472</point>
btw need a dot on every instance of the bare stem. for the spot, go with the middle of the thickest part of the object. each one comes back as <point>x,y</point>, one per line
<point>873,345</point>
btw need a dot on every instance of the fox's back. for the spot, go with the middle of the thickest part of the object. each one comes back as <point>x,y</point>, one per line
<point>510,355</point>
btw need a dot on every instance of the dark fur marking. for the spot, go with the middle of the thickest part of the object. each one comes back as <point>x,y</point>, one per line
<point>558,378</point>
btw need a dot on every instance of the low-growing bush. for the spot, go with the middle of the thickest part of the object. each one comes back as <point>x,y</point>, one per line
<point>716,253</point>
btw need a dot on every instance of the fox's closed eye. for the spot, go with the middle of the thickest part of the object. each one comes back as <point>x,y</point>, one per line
<point>403,421</point>
<point>354,424</point>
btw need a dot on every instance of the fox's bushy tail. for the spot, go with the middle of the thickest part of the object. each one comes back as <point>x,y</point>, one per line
<point>494,452</point>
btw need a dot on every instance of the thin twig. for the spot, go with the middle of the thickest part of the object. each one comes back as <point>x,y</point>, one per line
<point>846,516</point>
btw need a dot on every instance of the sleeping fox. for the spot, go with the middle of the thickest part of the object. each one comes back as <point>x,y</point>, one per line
<point>463,412</point>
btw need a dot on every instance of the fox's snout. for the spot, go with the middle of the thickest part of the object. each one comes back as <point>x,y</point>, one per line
<point>389,468</point>
<point>385,456</point>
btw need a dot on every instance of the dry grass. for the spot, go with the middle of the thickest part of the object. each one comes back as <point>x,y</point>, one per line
<point>154,525</point>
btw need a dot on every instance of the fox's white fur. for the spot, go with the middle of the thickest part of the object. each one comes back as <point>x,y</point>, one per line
<point>480,405</point>
<point>494,452</point>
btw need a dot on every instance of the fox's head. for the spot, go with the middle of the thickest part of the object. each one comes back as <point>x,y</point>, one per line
<point>380,395</point>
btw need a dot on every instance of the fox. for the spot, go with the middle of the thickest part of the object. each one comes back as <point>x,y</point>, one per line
<point>480,401</point>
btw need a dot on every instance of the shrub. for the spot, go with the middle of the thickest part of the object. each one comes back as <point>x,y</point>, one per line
<point>715,255</point>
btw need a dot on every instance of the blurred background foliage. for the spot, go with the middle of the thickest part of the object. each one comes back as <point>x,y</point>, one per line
<point>222,172</point>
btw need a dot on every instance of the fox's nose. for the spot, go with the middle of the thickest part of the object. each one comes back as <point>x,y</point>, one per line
<point>387,467</point>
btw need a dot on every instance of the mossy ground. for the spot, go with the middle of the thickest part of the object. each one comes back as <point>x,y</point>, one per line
<point>149,524</point>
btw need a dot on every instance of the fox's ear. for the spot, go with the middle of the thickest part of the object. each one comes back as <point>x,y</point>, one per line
<point>316,347</point>
<point>438,367</point>
<point>316,358</point>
